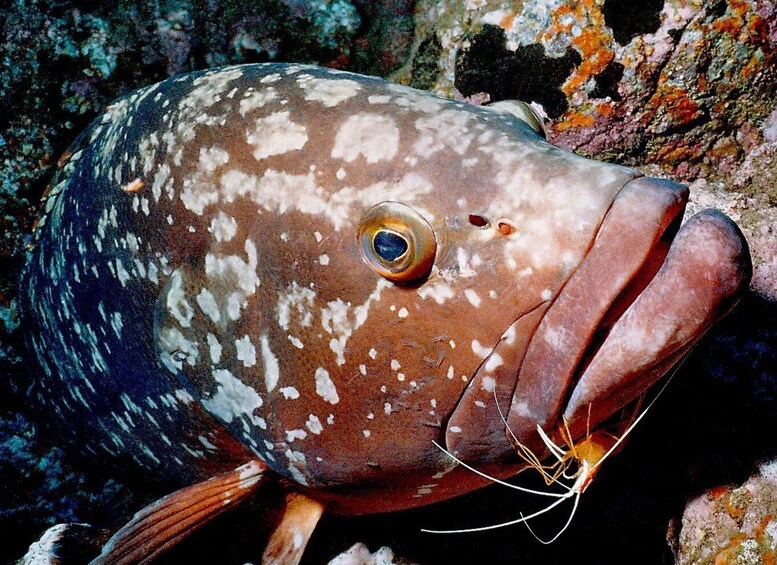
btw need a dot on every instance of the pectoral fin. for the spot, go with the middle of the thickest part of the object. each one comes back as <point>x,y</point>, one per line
<point>167,521</point>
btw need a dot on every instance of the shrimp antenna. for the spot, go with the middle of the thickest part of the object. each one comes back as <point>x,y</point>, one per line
<point>582,476</point>
<point>522,519</point>
<point>494,479</point>
<point>562,530</point>
<point>529,456</point>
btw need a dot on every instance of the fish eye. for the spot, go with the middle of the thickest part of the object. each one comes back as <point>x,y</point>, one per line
<point>389,245</point>
<point>397,242</point>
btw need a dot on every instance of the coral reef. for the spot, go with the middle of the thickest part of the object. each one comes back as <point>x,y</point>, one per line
<point>732,524</point>
<point>687,82</point>
<point>681,88</point>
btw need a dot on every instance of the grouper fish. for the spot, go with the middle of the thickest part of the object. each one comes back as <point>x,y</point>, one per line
<point>283,274</point>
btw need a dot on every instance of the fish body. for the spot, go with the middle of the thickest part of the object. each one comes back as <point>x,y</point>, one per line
<point>225,272</point>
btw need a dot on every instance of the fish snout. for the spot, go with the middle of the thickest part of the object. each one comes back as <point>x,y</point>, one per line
<point>703,276</point>
<point>647,290</point>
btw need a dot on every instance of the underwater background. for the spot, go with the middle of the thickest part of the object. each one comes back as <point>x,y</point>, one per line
<point>677,88</point>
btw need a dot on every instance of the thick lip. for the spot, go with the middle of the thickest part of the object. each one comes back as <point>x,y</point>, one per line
<point>706,270</point>
<point>640,299</point>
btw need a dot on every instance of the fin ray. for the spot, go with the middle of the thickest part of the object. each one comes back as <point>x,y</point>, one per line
<point>166,521</point>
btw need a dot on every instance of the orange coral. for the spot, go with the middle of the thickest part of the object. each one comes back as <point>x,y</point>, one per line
<point>507,22</point>
<point>575,120</point>
<point>676,102</point>
<point>718,492</point>
<point>594,41</point>
<point>593,44</point>
<point>735,21</point>
<point>673,154</point>
<point>605,108</point>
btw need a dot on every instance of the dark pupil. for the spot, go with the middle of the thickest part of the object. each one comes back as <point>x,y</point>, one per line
<point>389,245</point>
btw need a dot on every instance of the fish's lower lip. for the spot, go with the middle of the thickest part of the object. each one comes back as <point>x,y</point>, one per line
<point>630,248</point>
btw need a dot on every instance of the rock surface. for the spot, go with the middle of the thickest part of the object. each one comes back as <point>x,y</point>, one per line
<point>680,88</point>
<point>359,554</point>
<point>732,524</point>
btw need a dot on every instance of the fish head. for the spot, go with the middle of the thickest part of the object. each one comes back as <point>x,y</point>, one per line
<point>571,285</point>
<point>602,288</point>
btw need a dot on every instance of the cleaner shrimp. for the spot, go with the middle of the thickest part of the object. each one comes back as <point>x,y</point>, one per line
<point>573,468</point>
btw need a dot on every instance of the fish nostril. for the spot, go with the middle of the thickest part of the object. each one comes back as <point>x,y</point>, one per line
<point>478,221</point>
<point>504,228</point>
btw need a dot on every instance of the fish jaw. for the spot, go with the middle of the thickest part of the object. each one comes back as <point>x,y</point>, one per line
<point>632,239</point>
<point>637,303</point>
<point>705,273</point>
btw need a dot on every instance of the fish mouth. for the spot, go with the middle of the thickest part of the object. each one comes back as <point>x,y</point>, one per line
<point>647,290</point>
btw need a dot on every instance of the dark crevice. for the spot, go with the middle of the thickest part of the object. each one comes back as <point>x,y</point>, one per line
<point>527,74</point>
<point>606,82</point>
<point>631,19</point>
<point>717,8</point>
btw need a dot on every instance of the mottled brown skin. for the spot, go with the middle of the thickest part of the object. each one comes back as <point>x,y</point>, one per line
<point>201,298</point>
